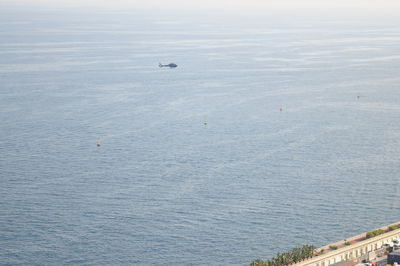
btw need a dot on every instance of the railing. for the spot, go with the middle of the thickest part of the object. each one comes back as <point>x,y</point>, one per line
<point>357,243</point>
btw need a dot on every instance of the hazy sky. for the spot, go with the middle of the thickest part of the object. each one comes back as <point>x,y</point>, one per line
<point>217,4</point>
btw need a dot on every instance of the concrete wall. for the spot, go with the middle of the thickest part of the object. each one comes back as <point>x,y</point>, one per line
<point>352,252</point>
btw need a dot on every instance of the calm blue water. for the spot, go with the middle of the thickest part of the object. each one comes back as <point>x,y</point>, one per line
<point>165,189</point>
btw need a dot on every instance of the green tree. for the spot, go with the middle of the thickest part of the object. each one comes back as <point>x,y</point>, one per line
<point>290,257</point>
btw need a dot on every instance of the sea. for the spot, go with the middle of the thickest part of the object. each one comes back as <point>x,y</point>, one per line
<point>275,130</point>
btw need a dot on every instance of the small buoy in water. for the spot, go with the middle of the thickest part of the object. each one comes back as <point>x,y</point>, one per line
<point>280,109</point>
<point>358,96</point>
<point>205,123</point>
<point>98,144</point>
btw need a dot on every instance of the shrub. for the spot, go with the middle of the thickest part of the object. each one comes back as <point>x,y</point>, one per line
<point>333,247</point>
<point>394,227</point>
<point>374,233</point>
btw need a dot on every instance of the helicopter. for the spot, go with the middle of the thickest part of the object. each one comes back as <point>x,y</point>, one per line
<point>170,65</point>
